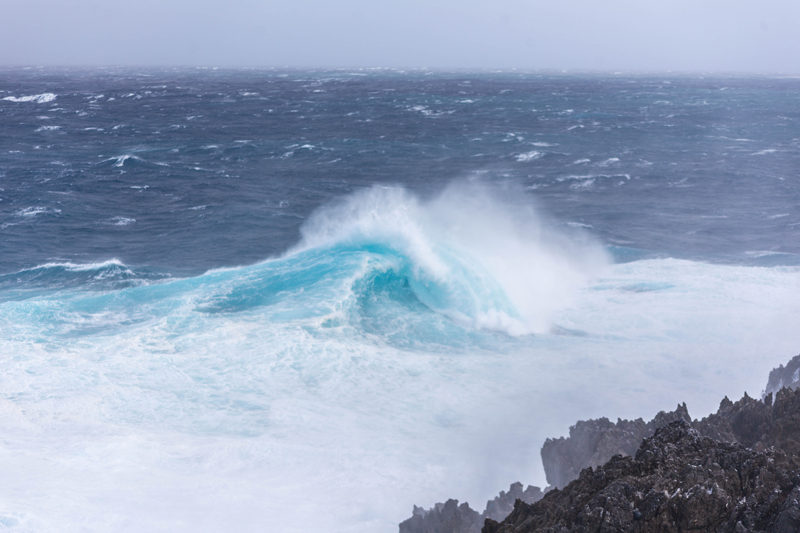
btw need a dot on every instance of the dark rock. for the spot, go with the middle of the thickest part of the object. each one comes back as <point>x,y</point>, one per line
<point>757,424</point>
<point>677,481</point>
<point>593,442</point>
<point>449,517</point>
<point>736,470</point>
<point>752,423</point>
<point>502,505</point>
<point>784,377</point>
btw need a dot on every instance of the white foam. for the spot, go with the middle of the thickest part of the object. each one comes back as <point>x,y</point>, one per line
<point>428,112</point>
<point>80,267</point>
<point>529,156</point>
<point>765,253</point>
<point>765,151</point>
<point>37,210</point>
<point>140,411</point>
<point>503,240</point>
<point>608,162</point>
<point>35,98</point>
<point>119,160</point>
<point>235,422</point>
<point>48,128</point>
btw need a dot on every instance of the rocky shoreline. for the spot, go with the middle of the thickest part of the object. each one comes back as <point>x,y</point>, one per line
<point>735,470</point>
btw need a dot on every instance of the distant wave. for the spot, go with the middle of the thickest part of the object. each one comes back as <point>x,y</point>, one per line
<point>36,98</point>
<point>129,160</point>
<point>122,221</point>
<point>529,156</point>
<point>36,210</point>
<point>77,267</point>
<point>58,275</point>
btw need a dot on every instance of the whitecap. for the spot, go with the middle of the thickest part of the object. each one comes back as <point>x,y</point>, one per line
<point>119,161</point>
<point>48,128</point>
<point>582,161</point>
<point>36,98</point>
<point>758,254</point>
<point>428,112</point>
<point>529,156</point>
<point>37,210</point>
<point>765,151</point>
<point>122,221</point>
<point>579,225</point>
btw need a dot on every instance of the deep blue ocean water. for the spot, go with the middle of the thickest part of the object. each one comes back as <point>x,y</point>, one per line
<point>282,300</point>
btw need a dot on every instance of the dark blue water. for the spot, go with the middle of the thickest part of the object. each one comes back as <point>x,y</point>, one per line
<point>189,170</point>
<point>304,301</point>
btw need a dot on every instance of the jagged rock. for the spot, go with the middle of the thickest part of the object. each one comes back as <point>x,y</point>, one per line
<point>678,481</point>
<point>784,376</point>
<point>593,442</point>
<point>750,422</point>
<point>503,504</point>
<point>736,470</point>
<point>449,517</point>
<point>757,424</point>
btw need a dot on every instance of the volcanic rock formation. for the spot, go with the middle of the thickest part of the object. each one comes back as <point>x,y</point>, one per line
<point>593,442</point>
<point>678,481</point>
<point>736,470</point>
<point>450,517</point>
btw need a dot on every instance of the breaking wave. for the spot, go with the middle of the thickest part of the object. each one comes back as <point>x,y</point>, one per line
<point>382,261</point>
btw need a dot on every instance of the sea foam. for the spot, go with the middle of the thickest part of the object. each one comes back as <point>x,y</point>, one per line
<point>474,253</point>
<point>35,98</point>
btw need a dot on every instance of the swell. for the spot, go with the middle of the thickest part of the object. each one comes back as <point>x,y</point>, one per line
<point>382,261</point>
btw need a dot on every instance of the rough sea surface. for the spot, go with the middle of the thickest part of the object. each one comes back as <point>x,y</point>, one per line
<point>304,301</point>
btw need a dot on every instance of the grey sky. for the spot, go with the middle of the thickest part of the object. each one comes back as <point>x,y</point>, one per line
<point>718,35</point>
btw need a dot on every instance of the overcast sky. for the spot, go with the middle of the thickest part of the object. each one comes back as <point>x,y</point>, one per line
<point>651,35</point>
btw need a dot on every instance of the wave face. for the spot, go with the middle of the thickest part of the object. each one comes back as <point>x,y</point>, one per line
<point>383,262</point>
<point>305,301</point>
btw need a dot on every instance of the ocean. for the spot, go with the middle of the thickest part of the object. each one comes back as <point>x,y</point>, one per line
<point>283,300</point>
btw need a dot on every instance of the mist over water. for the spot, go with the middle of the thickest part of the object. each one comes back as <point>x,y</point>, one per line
<point>315,328</point>
<point>475,254</point>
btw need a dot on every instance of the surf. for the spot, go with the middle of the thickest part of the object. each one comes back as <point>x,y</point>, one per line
<point>381,260</point>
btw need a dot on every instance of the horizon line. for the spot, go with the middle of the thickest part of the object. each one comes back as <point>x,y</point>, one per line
<point>400,69</point>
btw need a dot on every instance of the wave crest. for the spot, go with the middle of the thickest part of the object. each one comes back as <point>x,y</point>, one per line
<point>472,253</point>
